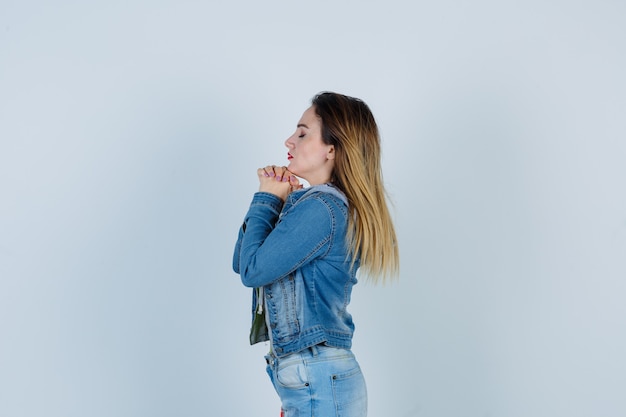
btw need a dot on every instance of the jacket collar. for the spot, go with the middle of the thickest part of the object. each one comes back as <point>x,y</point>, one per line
<point>325,188</point>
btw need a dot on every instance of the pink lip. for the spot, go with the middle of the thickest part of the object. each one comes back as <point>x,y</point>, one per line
<point>289,156</point>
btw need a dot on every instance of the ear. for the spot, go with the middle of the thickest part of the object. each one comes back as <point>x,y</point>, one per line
<point>330,154</point>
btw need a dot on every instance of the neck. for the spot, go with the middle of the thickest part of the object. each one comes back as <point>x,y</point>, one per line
<point>319,180</point>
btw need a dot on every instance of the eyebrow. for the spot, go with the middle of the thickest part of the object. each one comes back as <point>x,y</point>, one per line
<point>302,125</point>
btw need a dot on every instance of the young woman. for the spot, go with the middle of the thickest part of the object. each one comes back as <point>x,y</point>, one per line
<point>300,250</point>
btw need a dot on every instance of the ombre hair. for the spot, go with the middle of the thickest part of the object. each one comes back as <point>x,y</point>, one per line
<point>348,124</point>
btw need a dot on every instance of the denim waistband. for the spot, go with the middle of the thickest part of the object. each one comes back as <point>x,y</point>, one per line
<point>310,353</point>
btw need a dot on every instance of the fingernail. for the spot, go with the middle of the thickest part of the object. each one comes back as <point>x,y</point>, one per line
<point>266,174</point>
<point>285,179</point>
<point>272,174</point>
<point>292,178</point>
<point>278,177</point>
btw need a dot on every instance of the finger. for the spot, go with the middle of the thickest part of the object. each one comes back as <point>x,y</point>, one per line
<point>262,173</point>
<point>281,174</point>
<point>270,170</point>
<point>293,180</point>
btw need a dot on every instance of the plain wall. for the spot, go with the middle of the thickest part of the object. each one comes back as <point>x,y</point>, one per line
<point>130,134</point>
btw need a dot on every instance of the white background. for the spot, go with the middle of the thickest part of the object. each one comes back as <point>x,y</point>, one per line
<point>130,133</point>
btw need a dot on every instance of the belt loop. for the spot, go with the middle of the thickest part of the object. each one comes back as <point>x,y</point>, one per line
<point>314,350</point>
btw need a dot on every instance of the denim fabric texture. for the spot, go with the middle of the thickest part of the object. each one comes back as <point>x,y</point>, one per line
<point>319,381</point>
<point>297,252</point>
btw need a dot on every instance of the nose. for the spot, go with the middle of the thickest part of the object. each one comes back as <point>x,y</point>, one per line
<point>289,142</point>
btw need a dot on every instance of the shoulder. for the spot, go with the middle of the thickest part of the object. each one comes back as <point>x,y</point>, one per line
<point>317,202</point>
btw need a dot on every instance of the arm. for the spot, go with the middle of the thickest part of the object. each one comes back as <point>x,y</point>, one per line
<point>275,183</point>
<point>242,229</point>
<point>265,207</point>
<point>268,253</point>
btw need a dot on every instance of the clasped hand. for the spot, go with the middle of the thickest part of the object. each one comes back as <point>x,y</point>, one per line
<point>278,181</point>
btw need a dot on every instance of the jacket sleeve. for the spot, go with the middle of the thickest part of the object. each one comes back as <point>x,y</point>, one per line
<point>265,206</point>
<point>269,249</point>
<point>236,255</point>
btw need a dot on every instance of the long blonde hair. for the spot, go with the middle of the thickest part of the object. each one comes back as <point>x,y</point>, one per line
<point>348,124</point>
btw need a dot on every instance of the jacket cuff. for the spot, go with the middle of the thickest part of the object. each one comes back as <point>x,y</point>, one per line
<point>262,198</point>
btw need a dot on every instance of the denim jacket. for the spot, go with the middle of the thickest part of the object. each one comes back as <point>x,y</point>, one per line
<point>297,252</point>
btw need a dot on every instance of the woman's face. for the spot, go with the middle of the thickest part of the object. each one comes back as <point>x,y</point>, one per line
<point>309,157</point>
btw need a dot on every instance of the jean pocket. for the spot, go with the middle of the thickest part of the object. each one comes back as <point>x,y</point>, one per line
<point>350,393</point>
<point>292,375</point>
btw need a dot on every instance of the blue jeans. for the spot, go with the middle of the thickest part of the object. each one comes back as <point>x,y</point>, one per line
<point>319,381</point>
